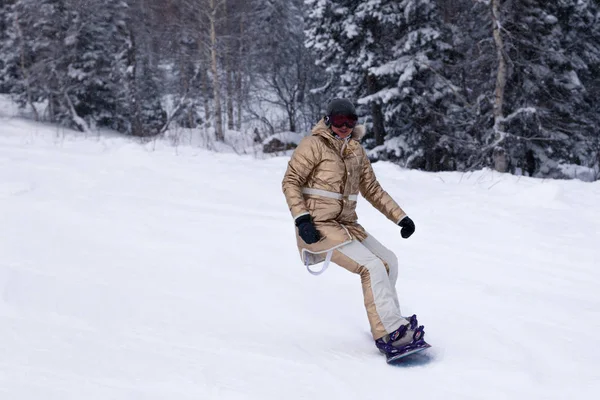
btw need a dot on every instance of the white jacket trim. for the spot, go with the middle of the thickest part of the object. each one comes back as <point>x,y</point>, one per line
<point>327,257</point>
<point>326,193</point>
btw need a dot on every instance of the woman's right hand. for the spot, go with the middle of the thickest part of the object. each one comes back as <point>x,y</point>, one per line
<point>307,230</point>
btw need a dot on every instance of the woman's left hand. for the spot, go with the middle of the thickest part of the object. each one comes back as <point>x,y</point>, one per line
<point>408,227</point>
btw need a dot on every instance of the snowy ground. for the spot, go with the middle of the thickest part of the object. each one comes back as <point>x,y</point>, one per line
<point>142,272</point>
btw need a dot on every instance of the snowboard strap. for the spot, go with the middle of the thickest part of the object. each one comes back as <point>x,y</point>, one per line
<point>325,264</point>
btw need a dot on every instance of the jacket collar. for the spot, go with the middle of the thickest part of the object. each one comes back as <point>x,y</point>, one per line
<point>340,145</point>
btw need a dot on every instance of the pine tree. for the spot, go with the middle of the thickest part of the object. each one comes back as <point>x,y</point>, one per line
<point>70,54</point>
<point>393,57</point>
<point>419,100</point>
<point>141,100</point>
<point>549,118</point>
<point>349,39</point>
<point>95,52</point>
<point>580,22</point>
<point>5,22</point>
<point>32,52</point>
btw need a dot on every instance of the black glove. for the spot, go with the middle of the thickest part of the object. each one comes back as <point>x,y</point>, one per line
<point>408,227</point>
<point>307,230</point>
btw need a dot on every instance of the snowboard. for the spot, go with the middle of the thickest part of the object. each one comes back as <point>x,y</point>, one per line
<point>396,358</point>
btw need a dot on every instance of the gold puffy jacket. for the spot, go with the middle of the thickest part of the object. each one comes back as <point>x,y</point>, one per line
<point>329,167</point>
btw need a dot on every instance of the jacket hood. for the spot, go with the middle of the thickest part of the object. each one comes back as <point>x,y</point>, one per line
<point>321,128</point>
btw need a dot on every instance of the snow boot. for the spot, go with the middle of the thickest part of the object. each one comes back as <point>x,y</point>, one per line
<point>405,338</point>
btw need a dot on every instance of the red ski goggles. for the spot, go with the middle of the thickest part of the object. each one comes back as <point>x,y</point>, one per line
<point>340,120</point>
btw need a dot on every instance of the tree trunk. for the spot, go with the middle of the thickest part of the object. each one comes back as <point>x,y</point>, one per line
<point>292,116</point>
<point>430,141</point>
<point>376,113</point>
<point>206,97</point>
<point>301,72</point>
<point>24,69</point>
<point>216,87</point>
<point>500,159</point>
<point>500,155</point>
<point>502,65</point>
<point>238,78</point>
<point>228,70</point>
<point>203,61</point>
<point>230,117</point>
<point>135,110</point>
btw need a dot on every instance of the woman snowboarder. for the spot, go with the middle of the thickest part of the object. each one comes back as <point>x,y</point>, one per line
<point>324,176</point>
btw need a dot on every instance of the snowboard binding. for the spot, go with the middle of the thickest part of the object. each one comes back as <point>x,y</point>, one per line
<point>406,340</point>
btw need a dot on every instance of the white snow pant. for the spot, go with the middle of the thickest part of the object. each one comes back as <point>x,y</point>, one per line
<point>378,270</point>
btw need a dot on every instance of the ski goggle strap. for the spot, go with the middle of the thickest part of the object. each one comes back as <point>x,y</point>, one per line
<point>340,120</point>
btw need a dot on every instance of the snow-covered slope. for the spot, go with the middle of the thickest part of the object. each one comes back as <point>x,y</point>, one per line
<point>142,272</point>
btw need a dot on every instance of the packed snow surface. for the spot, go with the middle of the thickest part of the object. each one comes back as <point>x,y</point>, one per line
<point>132,271</point>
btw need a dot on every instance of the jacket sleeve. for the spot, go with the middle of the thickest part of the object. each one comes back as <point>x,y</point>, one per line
<point>303,161</point>
<point>371,190</point>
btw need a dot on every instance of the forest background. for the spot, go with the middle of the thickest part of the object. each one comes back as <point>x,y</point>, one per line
<point>442,85</point>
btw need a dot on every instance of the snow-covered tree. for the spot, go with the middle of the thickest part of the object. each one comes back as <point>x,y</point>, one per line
<point>440,84</point>
<point>5,6</point>
<point>94,63</point>
<point>32,51</point>
<point>142,101</point>
<point>420,102</point>
<point>76,56</point>
<point>392,57</point>
<point>350,39</point>
<point>552,54</point>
